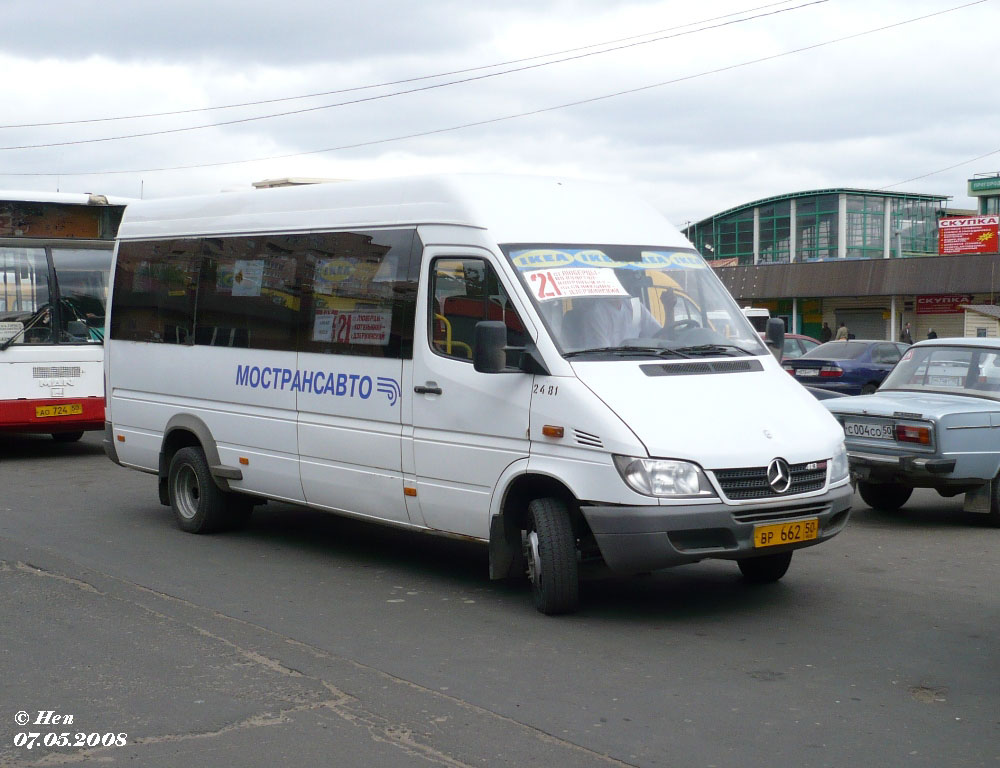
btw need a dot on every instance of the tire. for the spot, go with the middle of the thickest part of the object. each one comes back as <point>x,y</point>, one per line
<point>765,569</point>
<point>66,437</point>
<point>550,549</point>
<point>198,503</point>
<point>869,389</point>
<point>887,497</point>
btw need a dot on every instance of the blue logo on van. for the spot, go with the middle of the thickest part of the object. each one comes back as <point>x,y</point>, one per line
<point>390,388</point>
<point>317,382</point>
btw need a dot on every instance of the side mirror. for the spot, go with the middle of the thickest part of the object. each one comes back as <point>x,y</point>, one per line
<point>774,337</point>
<point>489,353</point>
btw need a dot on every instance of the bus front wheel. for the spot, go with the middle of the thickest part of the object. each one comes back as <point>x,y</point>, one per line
<point>550,549</point>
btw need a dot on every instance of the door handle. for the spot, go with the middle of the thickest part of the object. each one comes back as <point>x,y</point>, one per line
<point>433,390</point>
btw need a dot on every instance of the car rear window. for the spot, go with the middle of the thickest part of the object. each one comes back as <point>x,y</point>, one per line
<point>837,350</point>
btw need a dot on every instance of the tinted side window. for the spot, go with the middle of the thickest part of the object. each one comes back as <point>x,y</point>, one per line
<point>360,293</point>
<point>340,292</point>
<point>154,291</point>
<point>248,295</point>
<point>464,292</point>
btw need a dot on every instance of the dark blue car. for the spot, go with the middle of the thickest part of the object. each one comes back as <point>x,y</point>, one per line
<point>855,367</point>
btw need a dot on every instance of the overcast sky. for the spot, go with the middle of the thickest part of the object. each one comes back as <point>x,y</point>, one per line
<point>866,112</point>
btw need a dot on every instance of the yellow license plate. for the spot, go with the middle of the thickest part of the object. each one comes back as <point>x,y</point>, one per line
<point>69,409</point>
<point>785,533</point>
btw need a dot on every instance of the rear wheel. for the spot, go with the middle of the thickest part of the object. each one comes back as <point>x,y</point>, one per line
<point>550,549</point>
<point>887,497</point>
<point>766,568</point>
<point>66,437</point>
<point>198,503</point>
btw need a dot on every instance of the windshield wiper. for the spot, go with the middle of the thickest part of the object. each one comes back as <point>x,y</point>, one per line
<point>630,351</point>
<point>715,349</point>
<point>28,325</point>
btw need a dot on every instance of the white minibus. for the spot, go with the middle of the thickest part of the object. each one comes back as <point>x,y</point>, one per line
<point>530,363</point>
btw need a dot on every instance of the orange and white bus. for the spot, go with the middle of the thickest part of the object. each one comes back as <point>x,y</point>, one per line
<point>55,258</point>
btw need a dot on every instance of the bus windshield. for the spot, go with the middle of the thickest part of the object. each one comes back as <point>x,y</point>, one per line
<point>53,295</point>
<point>601,301</point>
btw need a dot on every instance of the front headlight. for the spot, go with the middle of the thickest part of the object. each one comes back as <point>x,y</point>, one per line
<point>839,468</point>
<point>663,477</point>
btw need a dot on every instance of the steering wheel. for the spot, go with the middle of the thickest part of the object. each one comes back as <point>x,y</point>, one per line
<point>677,325</point>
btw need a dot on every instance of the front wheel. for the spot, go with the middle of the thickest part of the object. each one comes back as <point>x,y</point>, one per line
<point>887,497</point>
<point>550,549</point>
<point>765,569</point>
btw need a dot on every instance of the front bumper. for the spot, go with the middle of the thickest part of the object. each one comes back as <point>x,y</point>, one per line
<point>640,539</point>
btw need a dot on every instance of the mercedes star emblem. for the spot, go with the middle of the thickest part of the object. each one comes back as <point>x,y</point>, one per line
<point>779,475</point>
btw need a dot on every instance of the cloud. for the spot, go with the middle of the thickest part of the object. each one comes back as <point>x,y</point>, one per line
<point>865,112</point>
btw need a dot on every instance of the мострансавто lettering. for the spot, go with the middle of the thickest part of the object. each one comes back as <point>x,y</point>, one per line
<point>317,382</point>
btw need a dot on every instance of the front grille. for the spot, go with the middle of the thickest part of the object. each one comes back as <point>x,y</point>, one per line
<point>56,372</point>
<point>751,482</point>
<point>756,515</point>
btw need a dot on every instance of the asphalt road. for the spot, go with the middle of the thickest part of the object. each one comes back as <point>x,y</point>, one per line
<point>309,639</point>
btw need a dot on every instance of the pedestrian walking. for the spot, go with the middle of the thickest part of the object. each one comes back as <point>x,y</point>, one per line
<point>907,336</point>
<point>842,333</point>
<point>931,334</point>
<point>826,333</point>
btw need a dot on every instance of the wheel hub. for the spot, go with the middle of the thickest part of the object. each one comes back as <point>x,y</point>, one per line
<point>533,558</point>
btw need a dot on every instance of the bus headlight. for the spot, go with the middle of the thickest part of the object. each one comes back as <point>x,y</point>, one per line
<point>839,468</point>
<point>663,477</point>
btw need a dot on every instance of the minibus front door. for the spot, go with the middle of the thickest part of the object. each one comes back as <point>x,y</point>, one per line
<point>468,427</point>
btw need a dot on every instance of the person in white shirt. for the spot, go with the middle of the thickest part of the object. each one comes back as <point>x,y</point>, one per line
<point>608,321</point>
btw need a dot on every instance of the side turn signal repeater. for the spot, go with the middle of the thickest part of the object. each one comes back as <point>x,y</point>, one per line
<point>549,431</point>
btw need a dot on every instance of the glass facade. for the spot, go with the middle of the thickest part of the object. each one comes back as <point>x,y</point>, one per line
<point>817,227</point>
<point>865,227</point>
<point>916,222</point>
<point>734,236</point>
<point>775,232</point>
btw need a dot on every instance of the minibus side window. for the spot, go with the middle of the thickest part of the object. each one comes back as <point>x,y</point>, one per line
<point>154,293</point>
<point>249,293</point>
<point>465,291</point>
<point>329,292</point>
<point>360,294</point>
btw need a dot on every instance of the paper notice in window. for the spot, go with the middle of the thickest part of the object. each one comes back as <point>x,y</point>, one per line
<point>248,277</point>
<point>371,327</point>
<point>548,284</point>
<point>9,330</point>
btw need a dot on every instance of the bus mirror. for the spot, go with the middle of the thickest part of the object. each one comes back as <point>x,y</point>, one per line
<point>489,355</point>
<point>774,338</point>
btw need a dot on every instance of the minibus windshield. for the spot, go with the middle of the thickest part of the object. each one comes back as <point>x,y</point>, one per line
<point>606,301</point>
